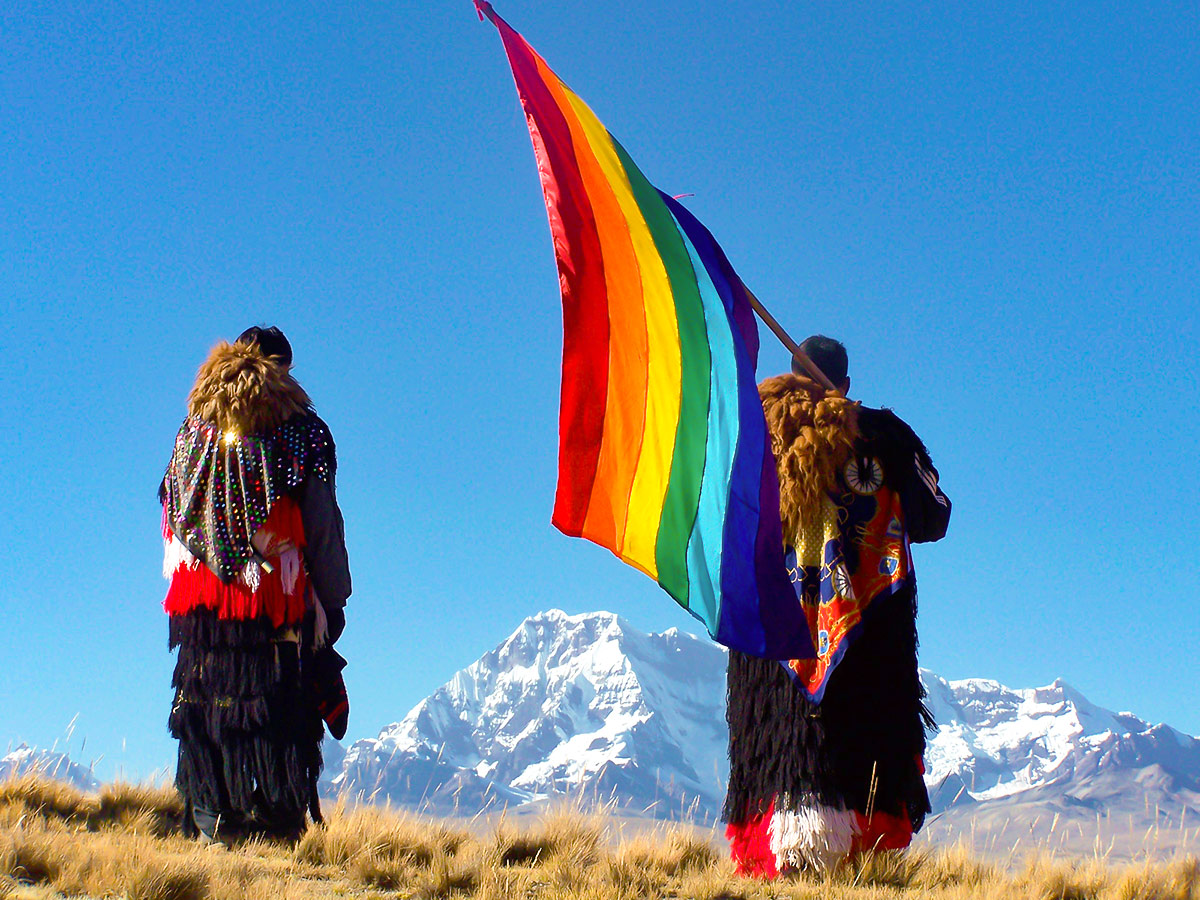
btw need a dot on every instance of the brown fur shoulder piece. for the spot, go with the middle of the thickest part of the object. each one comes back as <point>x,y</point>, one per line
<point>812,437</point>
<point>241,390</point>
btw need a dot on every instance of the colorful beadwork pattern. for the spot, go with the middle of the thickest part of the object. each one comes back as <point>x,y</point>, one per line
<point>219,487</point>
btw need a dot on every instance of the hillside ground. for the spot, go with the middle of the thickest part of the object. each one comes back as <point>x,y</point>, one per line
<point>1000,832</point>
<point>125,842</point>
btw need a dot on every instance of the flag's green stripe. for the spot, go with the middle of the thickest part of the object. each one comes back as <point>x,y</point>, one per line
<point>706,546</point>
<point>687,464</point>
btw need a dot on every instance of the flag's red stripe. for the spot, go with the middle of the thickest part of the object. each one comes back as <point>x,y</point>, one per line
<point>584,297</point>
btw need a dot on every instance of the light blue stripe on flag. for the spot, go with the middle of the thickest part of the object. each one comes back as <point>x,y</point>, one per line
<point>706,542</point>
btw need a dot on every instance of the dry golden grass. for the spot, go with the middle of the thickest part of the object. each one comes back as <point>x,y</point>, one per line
<point>124,842</point>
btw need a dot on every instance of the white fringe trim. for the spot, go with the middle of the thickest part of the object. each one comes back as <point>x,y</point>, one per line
<point>289,569</point>
<point>320,622</point>
<point>251,575</point>
<point>175,554</point>
<point>812,837</point>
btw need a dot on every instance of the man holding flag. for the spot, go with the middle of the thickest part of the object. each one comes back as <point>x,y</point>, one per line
<point>826,753</point>
<point>778,515</point>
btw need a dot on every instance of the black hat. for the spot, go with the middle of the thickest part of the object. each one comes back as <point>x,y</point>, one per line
<point>829,356</point>
<point>270,341</point>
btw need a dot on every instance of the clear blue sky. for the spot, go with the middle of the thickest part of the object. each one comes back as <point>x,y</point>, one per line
<point>994,205</point>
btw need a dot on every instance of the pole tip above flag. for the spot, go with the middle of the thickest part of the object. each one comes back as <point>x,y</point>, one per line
<point>485,9</point>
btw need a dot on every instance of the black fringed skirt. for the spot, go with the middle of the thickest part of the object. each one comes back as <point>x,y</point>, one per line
<point>859,749</point>
<point>248,730</point>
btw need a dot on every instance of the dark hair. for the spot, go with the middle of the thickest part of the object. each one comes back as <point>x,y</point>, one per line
<point>828,354</point>
<point>270,341</point>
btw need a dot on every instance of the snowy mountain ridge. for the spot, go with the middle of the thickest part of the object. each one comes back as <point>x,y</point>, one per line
<point>587,704</point>
<point>565,704</point>
<point>26,760</point>
<point>993,741</point>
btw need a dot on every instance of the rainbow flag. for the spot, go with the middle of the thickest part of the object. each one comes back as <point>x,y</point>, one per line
<point>663,450</point>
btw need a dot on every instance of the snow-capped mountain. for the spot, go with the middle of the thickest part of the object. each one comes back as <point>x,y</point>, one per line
<point>993,742</point>
<point>567,705</point>
<point>589,705</point>
<point>1046,766</point>
<point>25,760</point>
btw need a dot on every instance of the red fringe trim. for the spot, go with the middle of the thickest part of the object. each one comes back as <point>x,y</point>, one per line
<point>750,846</point>
<point>750,841</point>
<point>882,831</point>
<point>197,587</point>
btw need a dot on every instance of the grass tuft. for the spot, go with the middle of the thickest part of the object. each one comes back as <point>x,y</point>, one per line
<point>170,883</point>
<point>363,834</point>
<point>951,867</point>
<point>33,795</point>
<point>668,853</point>
<point>29,858</point>
<point>447,877</point>
<point>122,806</point>
<point>153,810</point>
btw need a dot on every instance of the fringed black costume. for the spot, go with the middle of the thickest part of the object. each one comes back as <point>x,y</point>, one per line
<point>249,733</point>
<point>811,782</point>
<point>256,557</point>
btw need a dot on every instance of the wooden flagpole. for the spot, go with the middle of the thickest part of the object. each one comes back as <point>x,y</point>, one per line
<point>797,354</point>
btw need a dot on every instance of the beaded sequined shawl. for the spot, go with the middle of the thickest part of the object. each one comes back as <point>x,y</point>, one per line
<point>250,437</point>
<point>220,487</point>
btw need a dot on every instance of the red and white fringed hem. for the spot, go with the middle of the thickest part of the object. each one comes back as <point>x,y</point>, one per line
<point>812,838</point>
<point>279,594</point>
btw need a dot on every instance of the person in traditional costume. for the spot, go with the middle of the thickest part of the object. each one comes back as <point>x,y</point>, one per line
<point>826,754</point>
<point>256,558</point>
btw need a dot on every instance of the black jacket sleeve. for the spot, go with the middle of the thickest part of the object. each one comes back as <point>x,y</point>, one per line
<point>325,540</point>
<point>926,506</point>
<point>910,471</point>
